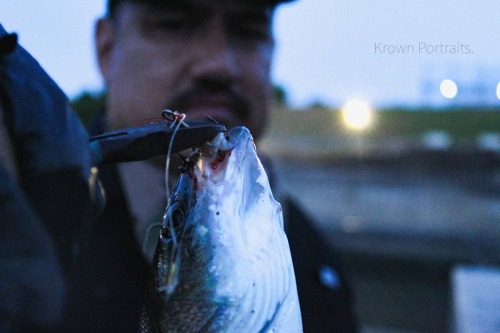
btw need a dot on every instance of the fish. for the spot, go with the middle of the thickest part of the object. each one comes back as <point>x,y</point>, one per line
<point>223,262</point>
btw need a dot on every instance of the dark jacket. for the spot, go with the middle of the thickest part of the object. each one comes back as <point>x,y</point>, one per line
<point>324,294</point>
<point>43,191</point>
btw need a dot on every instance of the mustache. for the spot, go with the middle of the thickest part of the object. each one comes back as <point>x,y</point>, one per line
<point>194,95</point>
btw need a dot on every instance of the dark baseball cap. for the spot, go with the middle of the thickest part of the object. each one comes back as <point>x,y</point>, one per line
<point>112,4</point>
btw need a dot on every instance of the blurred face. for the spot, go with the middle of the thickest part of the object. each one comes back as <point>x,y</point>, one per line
<point>200,59</point>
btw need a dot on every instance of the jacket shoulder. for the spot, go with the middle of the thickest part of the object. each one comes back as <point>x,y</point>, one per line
<point>324,294</point>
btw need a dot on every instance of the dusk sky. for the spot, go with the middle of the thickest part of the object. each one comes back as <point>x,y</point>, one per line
<point>328,51</point>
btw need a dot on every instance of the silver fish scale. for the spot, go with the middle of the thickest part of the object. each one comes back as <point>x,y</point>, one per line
<point>233,272</point>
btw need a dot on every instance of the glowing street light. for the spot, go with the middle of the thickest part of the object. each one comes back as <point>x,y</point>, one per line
<point>448,88</point>
<point>357,115</point>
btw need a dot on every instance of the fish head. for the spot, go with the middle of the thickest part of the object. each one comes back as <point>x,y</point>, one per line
<point>232,186</point>
<point>227,165</point>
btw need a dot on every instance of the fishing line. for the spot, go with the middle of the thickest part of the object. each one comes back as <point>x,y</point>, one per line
<point>177,120</point>
<point>172,274</point>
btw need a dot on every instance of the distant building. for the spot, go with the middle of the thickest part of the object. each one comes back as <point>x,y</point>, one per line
<point>475,86</point>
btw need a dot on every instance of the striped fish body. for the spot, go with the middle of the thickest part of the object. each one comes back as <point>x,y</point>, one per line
<point>223,262</point>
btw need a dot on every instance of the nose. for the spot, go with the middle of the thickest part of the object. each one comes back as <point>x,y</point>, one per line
<point>216,57</point>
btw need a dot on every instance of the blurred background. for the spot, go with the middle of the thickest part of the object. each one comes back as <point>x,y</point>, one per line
<point>385,126</point>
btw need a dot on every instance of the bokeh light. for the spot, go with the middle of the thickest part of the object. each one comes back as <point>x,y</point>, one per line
<point>498,90</point>
<point>448,88</point>
<point>357,115</point>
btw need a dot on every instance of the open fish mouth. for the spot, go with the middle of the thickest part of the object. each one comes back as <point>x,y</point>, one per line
<point>212,158</point>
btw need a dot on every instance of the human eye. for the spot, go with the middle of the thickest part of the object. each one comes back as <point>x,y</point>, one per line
<point>171,24</point>
<point>174,23</point>
<point>252,28</point>
<point>255,32</point>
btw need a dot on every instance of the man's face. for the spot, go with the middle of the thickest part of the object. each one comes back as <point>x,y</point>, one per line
<point>200,59</point>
